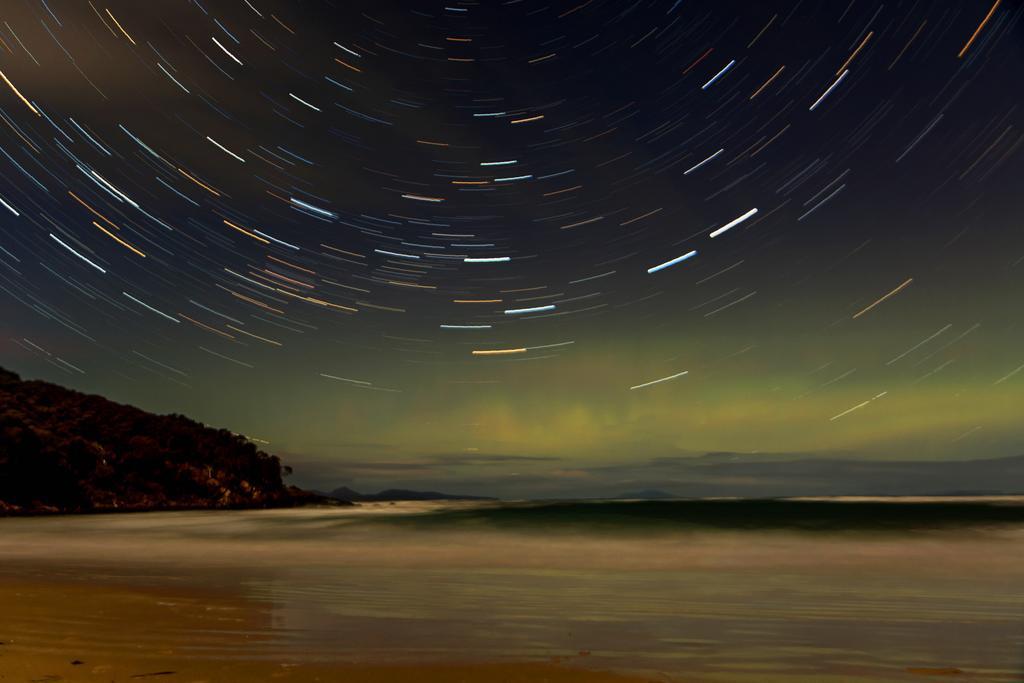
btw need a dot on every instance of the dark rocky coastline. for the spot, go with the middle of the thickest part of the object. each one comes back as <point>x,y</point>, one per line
<point>62,451</point>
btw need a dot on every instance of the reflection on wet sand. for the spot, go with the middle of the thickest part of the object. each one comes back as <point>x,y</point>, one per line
<point>298,593</point>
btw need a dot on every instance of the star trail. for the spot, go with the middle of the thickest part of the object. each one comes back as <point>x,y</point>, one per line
<point>588,230</point>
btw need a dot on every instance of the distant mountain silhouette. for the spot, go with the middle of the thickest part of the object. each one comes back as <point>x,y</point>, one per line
<point>64,451</point>
<point>646,494</point>
<point>348,495</point>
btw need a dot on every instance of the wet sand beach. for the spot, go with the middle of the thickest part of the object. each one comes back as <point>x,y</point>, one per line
<point>463,594</point>
<point>60,631</point>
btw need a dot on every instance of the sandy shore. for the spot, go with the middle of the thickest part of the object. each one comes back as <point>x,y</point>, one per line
<point>330,596</point>
<point>38,669</point>
<point>69,631</point>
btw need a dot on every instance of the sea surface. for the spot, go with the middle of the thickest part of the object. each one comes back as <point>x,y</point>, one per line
<point>738,591</point>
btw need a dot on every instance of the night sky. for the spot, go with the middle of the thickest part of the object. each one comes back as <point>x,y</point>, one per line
<point>519,246</point>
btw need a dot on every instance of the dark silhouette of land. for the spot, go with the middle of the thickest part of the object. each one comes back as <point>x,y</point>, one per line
<point>64,451</point>
<point>346,494</point>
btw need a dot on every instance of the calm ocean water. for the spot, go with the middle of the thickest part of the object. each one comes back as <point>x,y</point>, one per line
<point>719,591</point>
